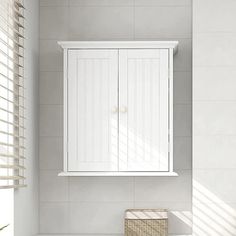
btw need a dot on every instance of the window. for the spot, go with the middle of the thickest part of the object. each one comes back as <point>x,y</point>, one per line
<point>12,104</point>
<point>7,211</point>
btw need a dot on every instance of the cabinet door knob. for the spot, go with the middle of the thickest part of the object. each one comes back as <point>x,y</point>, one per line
<point>114,109</point>
<point>123,109</point>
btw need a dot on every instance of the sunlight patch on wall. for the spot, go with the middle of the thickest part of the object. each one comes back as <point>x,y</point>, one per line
<point>211,215</point>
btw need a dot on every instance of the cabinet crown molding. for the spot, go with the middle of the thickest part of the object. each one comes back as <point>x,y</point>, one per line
<point>118,44</point>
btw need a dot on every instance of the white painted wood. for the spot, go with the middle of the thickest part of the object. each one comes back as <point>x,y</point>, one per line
<point>65,109</point>
<point>127,136</point>
<point>119,173</point>
<point>119,44</point>
<point>143,129</point>
<point>164,157</point>
<point>171,107</point>
<point>92,125</point>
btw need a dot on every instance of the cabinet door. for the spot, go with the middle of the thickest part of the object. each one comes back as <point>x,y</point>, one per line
<point>144,108</point>
<point>92,114</point>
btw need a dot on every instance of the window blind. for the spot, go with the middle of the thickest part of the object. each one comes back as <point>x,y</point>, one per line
<point>12,101</point>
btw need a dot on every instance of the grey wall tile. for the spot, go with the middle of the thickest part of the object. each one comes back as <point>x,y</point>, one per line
<point>214,223</point>
<point>51,57</point>
<point>54,23</point>
<point>170,206</point>
<point>50,153</point>
<point>182,153</point>
<point>182,87</point>
<point>215,151</point>
<point>98,218</point>
<point>54,218</point>
<point>162,22</point>
<point>54,2</point>
<point>101,2</point>
<point>170,3</point>
<point>214,118</point>
<point>102,189</point>
<point>164,189</point>
<point>51,120</point>
<point>51,88</point>
<point>214,185</point>
<point>101,23</point>
<point>180,222</point>
<point>216,49</point>
<point>207,17</point>
<point>215,84</point>
<point>183,58</point>
<point>182,120</point>
<point>52,187</point>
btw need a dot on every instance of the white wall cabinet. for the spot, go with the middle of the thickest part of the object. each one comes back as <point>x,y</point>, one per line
<point>118,108</point>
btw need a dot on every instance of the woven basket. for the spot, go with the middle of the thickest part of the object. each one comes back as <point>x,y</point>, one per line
<point>146,222</point>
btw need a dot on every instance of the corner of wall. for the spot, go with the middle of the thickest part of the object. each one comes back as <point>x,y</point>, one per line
<point>26,199</point>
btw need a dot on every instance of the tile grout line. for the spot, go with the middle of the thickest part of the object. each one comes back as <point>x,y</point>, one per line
<point>134,193</point>
<point>111,202</point>
<point>69,206</point>
<point>134,11</point>
<point>172,37</point>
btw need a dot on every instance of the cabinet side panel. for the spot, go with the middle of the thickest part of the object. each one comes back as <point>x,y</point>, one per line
<point>65,111</point>
<point>171,109</point>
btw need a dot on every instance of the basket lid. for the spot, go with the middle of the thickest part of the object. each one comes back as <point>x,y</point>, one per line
<point>146,214</point>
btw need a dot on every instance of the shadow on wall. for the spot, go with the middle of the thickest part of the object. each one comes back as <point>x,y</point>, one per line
<point>211,215</point>
<point>182,219</point>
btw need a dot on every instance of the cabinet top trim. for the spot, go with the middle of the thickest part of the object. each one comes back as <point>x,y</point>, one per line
<point>118,44</point>
<point>127,173</point>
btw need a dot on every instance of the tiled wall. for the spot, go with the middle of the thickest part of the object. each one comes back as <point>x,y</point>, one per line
<point>26,199</point>
<point>214,115</point>
<point>88,205</point>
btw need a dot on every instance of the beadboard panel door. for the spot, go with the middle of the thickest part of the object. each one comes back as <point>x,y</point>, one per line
<point>144,110</point>
<point>92,110</point>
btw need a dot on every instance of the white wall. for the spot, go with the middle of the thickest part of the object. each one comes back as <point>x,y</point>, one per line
<point>26,199</point>
<point>96,205</point>
<point>214,115</point>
